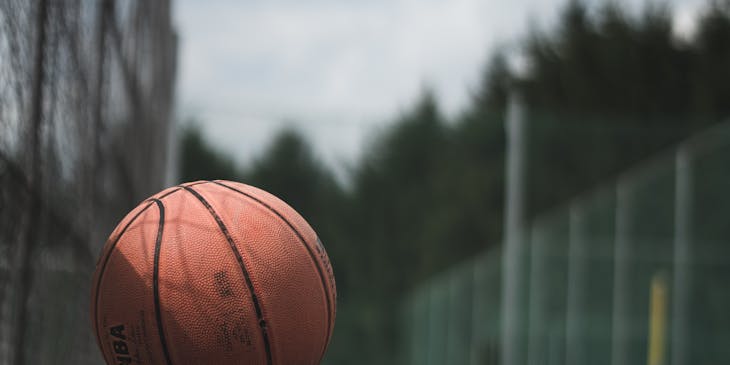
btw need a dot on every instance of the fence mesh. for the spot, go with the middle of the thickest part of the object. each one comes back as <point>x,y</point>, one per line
<point>635,272</point>
<point>85,104</point>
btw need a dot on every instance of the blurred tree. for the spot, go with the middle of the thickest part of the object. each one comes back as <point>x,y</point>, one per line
<point>399,227</point>
<point>494,89</point>
<point>603,90</point>
<point>290,170</point>
<point>606,89</point>
<point>711,75</point>
<point>200,161</point>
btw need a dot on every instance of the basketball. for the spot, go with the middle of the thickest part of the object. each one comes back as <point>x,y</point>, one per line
<point>213,272</point>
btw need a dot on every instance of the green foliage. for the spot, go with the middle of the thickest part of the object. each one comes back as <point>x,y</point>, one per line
<point>603,90</point>
<point>290,170</point>
<point>421,200</point>
<point>201,161</point>
<point>606,89</point>
<point>611,64</point>
<point>711,75</point>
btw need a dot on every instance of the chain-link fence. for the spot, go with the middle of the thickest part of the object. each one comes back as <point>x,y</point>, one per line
<point>85,108</point>
<point>635,272</point>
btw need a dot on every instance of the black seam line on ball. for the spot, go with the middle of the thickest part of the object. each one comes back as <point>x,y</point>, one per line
<point>101,274</point>
<point>304,243</point>
<point>179,187</point>
<point>156,281</point>
<point>312,255</point>
<point>246,276</point>
<point>167,194</point>
<point>201,182</point>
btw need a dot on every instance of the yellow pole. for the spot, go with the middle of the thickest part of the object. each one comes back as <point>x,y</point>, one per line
<point>657,320</point>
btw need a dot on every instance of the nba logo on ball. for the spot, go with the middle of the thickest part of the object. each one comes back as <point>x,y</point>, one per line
<point>213,272</point>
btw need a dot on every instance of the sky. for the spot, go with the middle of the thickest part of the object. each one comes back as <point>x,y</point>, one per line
<point>340,70</point>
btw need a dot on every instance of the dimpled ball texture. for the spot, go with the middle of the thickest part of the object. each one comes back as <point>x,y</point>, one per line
<point>213,272</point>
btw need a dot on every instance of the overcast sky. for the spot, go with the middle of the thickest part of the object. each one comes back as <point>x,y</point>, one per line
<point>339,70</point>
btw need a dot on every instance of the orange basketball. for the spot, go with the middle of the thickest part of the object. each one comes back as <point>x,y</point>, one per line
<point>213,272</point>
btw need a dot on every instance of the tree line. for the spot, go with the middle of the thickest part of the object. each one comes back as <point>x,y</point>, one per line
<point>604,89</point>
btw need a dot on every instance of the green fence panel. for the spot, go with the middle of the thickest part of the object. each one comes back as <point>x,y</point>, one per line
<point>417,315</point>
<point>486,308</point>
<point>644,252</point>
<point>438,322</point>
<point>460,314</point>
<point>709,297</point>
<point>590,279</point>
<point>548,289</point>
<point>633,273</point>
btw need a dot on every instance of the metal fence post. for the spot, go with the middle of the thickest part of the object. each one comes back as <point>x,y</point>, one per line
<point>621,275</point>
<point>514,279</point>
<point>682,255</point>
<point>574,351</point>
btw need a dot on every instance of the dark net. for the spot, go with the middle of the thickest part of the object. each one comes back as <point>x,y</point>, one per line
<point>86,93</point>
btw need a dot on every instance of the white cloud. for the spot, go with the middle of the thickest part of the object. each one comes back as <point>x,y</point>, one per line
<point>336,67</point>
<point>685,19</point>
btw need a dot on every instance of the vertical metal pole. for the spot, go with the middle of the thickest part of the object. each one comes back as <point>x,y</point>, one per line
<point>538,345</point>
<point>451,315</point>
<point>574,350</point>
<point>682,255</point>
<point>620,330</point>
<point>514,283</point>
<point>478,320</point>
